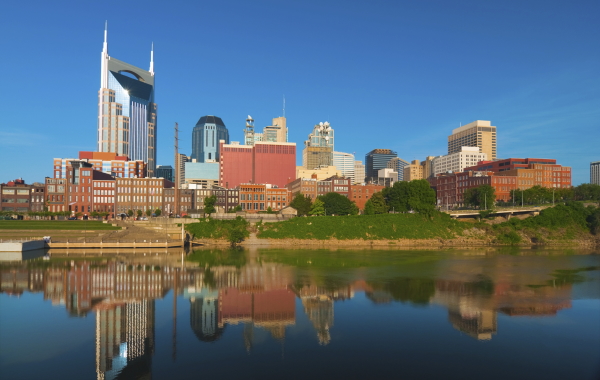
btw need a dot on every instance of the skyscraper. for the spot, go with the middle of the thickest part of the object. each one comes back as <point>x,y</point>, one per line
<point>595,173</point>
<point>318,149</point>
<point>207,133</point>
<point>344,162</point>
<point>398,165</point>
<point>377,159</point>
<point>479,133</point>
<point>126,109</point>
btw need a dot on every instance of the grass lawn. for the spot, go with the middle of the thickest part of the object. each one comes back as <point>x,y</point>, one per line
<point>55,225</point>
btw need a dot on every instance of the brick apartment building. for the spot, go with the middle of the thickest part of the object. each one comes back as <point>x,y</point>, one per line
<point>450,187</point>
<point>314,187</point>
<point>529,171</point>
<point>360,194</point>
<point>144,194</point>
<point>56,194</point>
<point>17,196</point>
<point>259,197</point>
<point>109,163</point>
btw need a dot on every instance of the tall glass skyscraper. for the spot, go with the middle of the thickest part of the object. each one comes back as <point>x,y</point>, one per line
<point>205,138</point>
<point>377,159</point>
<point>126,109</point>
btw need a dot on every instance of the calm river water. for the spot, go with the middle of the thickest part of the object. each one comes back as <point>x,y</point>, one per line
<point>303,314</point>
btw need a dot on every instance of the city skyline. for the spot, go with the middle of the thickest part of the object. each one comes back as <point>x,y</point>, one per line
<point>384,75</point>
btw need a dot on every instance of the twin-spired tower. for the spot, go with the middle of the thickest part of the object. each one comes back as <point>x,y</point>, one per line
<point>126,109</point>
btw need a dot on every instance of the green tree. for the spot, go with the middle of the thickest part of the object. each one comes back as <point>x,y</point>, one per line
<point>130,213</point>
<point>337,204</point>
<point>139,213</point>
<point>148,212</point>
<point>587,192</point>
<point>302,203</point>
<point>157,212</point>
<point>317,208</point>
<point>483,196</point>
<point>209,204</point>
<point>376,205</point>
<point>415,195</point>
<point>270,210</point>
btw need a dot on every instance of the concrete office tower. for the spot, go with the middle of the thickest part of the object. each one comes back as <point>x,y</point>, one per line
<point>126,109</point>
<point>164,171</point>
<point>277,131</point>
<point>377,159</point>
<point>180,170</point>
<point>344,162</point>
<point>359,172</point>
<point>398,165</point>
<point>413,171</point>
<point>457,162</point>
<point>595,173</point>
<point>207,133</point>
<point>479,133</point>
<point>318,149</point>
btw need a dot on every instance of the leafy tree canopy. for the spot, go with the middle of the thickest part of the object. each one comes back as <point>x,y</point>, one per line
<point>376,205</point>
<point>337,204</point>
<point>209,204</point>
<point>302,203</point>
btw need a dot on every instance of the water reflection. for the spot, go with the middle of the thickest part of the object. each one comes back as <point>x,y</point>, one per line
<point>260,289</point>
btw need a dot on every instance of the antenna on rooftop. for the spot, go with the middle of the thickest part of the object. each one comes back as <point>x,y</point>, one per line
<point>284,105</point>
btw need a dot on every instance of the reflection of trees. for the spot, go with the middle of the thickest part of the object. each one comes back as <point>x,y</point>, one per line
<point>415,290</point>
<point>218,257</point>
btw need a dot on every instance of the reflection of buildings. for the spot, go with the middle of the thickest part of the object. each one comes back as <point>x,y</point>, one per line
<point>318,306</point>
<point>125,340</point>
<point>255,295</point>
<point>204,315</point>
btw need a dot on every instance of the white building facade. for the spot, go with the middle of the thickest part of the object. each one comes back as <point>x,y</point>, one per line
<point>344,162</point>
<point>457,162</point>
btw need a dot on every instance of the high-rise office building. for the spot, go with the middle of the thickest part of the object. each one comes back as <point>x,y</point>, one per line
<point>359,172</point>
<point>126,109</point>
<point>595,173</point>
<point>398,165</point>
<point>344,162</point>
<point>479,133</point>
<point>164,171</point>
<point>318,149</point>
<point>377,159</point>
<point>207,133</point>
<point>277,131</point>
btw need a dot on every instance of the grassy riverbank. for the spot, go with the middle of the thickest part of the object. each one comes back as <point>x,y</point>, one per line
<point>366,227</point>
<point>564,224</point>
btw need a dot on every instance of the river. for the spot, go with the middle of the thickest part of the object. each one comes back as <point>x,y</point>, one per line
<point>275,313</point>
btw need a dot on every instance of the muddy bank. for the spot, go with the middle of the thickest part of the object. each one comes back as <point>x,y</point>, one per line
<point>592,242</point>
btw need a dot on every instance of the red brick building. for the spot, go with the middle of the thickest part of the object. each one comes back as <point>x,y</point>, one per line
<point>264,162</point>
<point>56,194</point>
<point>450,187</point>
<point>17,196</point>
<point>109,163</point>
<point>360,194</point>
<point>255,197</point>
<point>530,171</point>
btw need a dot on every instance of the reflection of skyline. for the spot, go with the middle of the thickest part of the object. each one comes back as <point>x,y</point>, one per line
<point>263,296</point>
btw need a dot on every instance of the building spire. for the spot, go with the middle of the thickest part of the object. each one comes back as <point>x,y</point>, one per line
<point>152,59</point>
<point>104,59</point>
<point>105,45</point>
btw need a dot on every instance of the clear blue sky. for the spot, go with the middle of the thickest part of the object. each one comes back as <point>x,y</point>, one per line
<point>385,74</point>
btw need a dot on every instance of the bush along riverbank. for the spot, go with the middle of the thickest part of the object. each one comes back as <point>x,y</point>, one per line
<point>565,223</point>
<point>230,231</point>
<point>569,224</point>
